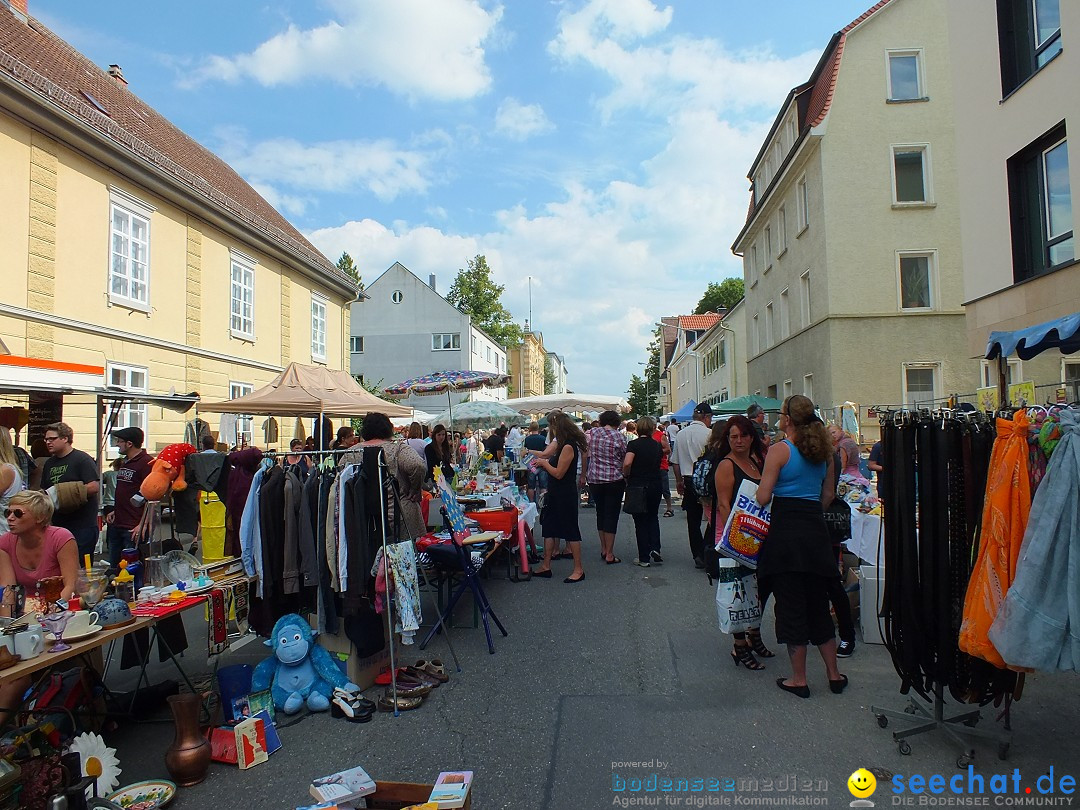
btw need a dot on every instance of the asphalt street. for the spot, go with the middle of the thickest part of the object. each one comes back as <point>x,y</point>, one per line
<point>601,686</point>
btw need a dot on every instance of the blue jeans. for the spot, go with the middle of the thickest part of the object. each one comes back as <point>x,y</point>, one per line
<point>86,538</point>
<point>117,540</point>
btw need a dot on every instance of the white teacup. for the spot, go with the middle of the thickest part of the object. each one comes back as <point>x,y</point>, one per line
<point>81,622</point>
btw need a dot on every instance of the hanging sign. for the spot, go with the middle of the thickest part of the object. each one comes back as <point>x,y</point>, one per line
<point>1022,393</point>
<point>987,399</point>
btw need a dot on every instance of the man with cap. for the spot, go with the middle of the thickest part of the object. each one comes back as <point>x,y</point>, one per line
<point>689,442</point>
<point>125,516</point>
<point>756,414</point>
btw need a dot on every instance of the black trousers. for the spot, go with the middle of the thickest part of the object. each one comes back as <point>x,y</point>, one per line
<point>694,512</point>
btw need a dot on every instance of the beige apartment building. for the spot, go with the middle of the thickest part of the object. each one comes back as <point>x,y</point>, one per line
<point>851,248</point>
<point>1016,71</point>
<point>525,363</point>
<point>129,248</point>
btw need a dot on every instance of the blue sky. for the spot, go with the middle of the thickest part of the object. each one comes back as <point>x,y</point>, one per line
<point>599,146</point>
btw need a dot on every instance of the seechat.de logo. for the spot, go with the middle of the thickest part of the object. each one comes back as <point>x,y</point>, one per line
<point>862,785</point>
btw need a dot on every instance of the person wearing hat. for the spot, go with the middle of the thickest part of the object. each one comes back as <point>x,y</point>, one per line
<point>689,443</point>
<point>124,516</point>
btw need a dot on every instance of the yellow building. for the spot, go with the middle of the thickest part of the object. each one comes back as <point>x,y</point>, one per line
<point>525,363</point>
<point>128,246</point>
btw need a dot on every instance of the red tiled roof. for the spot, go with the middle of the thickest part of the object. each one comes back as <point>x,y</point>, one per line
<point>66,81</point>
<point>698,322</point>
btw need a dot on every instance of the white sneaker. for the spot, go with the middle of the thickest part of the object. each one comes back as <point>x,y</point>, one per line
<point>639,562</point>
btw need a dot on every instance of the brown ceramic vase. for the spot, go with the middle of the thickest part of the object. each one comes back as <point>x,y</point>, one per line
<point>188,758</point>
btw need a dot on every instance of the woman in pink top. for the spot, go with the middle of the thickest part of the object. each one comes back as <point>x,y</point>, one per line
<point>33,549</point>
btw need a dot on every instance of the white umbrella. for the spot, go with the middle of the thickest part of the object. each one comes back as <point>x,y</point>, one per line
<point>568,402</point>
<point>480,413</point>
<point>423,417</point>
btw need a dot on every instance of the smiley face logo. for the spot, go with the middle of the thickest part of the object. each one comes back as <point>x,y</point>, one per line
<point>862,784</point>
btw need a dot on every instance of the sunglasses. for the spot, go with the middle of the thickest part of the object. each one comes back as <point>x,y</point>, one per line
<point>15,513</point>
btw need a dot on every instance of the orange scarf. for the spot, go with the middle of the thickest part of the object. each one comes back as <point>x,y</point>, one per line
<point>1005,517</point>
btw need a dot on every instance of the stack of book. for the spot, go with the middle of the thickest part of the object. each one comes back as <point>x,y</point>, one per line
<point>451,789</point>
<point>342,787</point>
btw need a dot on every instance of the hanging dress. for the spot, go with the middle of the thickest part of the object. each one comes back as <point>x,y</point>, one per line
<point>1039,624</point>
<point>1005,517</point>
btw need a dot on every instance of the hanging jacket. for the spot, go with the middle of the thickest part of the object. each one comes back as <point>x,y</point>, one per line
<point>242,467</point>
<point>309,512</point>
<point>290,573</point>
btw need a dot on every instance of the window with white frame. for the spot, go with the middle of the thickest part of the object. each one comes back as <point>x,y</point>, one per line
<point>129,250</point>
<point>768,247</point>
<point>921,384</point>
<point>754,344</point>
<point>785,314</point>
<point>781,230</point>
<point>133,379</point>
<point>318,328</point>
<point>770,325</point>
<point>487,353</point>
<point>808,386</point>
<point>762,339</point>
<point>242,299</point>
<point>446,341</point>
<point>753,264</point>
<point>1070,376</point>
<point>911,174</point>
<point>802,203</point>
<point>988,372</point>
<point>905,75</point>
<point>356,344</point>
<point>787,388</point>
<point>916,279</point>
<point>804,298</point>
<point>244,422</point>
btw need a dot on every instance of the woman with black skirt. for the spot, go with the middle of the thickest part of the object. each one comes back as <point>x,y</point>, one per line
<point>560,517</point>
<point>796,564</point>
<point>641,466</point>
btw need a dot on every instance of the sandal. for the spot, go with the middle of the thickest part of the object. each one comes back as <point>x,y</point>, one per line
<point>434,668</point>
<point>355,699</point>
<point>669,513</point>
<point>403,704</point>
<point>613,560</point>
<point>758,646</point>
<point>342,706</point>
<point>741,654</point>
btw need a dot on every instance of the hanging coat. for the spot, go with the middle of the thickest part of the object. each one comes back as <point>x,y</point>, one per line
<point>1039,624</point>
<point>1005,518</point>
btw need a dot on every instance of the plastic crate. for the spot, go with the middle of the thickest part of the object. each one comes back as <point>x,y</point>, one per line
<point>496,520</point>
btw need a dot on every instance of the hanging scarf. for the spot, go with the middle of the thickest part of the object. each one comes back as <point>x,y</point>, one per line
<point>1005,517</point>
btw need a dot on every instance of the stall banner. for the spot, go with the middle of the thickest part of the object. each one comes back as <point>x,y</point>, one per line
<point>746,528</point>
<point>1022,393</point>
<point>987,399</point>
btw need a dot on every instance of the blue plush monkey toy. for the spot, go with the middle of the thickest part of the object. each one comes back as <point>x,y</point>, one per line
<point>299,671</point>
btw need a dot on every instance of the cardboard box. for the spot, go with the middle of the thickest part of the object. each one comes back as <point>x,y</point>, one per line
<point>396,795</point>
<point>361,671</point>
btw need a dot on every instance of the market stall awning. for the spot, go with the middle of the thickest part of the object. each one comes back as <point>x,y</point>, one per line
<point>568,402</point>
<point>308,391</point>
<point>686,412</point>
<point>1060,333</point>
<point>740,404</point>
<point>24,374</point>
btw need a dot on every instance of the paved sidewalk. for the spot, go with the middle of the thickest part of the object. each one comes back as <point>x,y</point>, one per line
<point>620,677</point>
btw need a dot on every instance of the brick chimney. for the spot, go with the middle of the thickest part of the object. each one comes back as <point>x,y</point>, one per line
<point>117,74</point>
<point>18,8</point>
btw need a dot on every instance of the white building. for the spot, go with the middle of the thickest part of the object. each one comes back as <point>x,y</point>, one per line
<point>1015,71</point>
<point>851,248</point>
<point>721,353</point>
<point>405,329</point>
<point>558,366</point>
<point>684,369</point>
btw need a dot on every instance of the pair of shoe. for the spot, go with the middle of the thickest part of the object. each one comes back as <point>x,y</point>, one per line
<point>742,654</point>
<point>655,558</point>
<point>352,706</point>
<point>639,562</point>
<point>845,649</point>
<point>435,668</point>
<point>403,703</point>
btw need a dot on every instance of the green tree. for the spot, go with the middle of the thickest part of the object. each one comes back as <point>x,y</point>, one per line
<point>720,296</point>
<point>477,295</point>
<point>641,398</point>
<point>549,375</point>
<point>347,266</point>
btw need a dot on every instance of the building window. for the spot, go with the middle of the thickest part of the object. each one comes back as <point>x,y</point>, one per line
<point>753,264</point>
<point>804,297</point>
<point>920,384</point>
<point>244,422</point>
<point>1040,205</point>
<point>768,247</point>
<point>397,296</point>
<point>989,372</point>
<point>785,315</point>
<point>762,338</point>
<point>808,386</point>
<point>911,174</point>
<point>242,306</point>
<point>916,280</point>
<point>782,229</point>
<point>129,250</point>
<point>754,342</point>
<point>722,356</point>
<point>135,380</point>
<point>1070,376</point>
<point>1029,36</point>
<point>446,341</point>
<point>772,392</point>
<point>905,76</point>
<point>770,325</point>
<point>802,204</point>
<point>318,328</point>
<point>356,344</point>
<point>787,388</point>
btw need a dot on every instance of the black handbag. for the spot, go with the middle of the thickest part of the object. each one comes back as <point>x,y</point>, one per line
<point>634,500</point>
<point>838,521</point>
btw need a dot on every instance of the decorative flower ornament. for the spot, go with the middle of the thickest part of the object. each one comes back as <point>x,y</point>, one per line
<point>98,761</point>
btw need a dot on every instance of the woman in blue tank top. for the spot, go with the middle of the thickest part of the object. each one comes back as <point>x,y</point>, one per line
<point>796,562</point>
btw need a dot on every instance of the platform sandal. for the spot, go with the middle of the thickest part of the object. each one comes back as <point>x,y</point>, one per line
<point>741,654</point>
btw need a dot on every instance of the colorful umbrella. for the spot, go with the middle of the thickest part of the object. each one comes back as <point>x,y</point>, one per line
<point>439,382</point>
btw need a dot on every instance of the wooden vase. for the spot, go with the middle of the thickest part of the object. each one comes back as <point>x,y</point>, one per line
<point>188,758</point>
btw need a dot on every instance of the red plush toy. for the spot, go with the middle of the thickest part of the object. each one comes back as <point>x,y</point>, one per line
<point>167,472</point>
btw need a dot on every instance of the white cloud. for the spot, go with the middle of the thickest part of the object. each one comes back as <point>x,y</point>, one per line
<point>412,47</point>
<point>379,166</point>
<point>519,121</point>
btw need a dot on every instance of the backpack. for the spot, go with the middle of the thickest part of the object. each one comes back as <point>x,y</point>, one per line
<point>705,475</point>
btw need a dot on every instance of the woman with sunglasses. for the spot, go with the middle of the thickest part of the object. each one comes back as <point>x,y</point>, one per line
<point>11,480</point>
<point>33,549</point>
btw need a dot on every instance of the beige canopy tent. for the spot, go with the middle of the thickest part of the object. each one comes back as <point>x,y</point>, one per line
<point>309,391</point>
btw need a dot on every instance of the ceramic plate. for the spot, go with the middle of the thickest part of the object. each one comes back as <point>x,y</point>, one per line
<point>146,795</point>
<point>69,636</point>
<point>178,565</point>
<point>197,591</point>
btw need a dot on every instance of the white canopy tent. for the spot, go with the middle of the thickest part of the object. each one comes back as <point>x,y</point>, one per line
<point>568,402</point>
